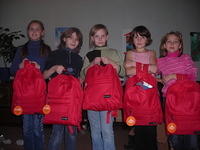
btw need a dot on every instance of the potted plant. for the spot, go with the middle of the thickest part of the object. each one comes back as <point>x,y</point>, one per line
<point>7,49</point>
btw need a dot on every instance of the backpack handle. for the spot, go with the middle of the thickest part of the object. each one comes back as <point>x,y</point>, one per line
<point>28,63</point>
<point>141,68</point>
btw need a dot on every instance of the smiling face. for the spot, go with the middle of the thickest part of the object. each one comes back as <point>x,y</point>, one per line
<point>172,43</point>
<point>139,41</point>
<point>100,38</point>
<point>72,41</point>
<point>35,32</point>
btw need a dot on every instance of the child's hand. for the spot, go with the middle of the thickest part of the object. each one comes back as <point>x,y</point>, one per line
<point>152,68</point>
<point>59,68</point>
<point>169,77</point>
<point>159,80</point>
<point>21,65</point>
<point>106,60</point>
<point>36,64</point>
<point>97,60</point>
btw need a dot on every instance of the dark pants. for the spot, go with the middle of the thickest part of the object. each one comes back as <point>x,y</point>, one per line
<point>145,138</point>
<point>184,142</point>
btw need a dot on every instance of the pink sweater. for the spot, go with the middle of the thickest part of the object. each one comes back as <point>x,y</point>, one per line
<point>176,65</point>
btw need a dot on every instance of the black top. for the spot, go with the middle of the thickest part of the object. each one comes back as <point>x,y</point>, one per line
<point>70,60</point>
<point>93,54</point>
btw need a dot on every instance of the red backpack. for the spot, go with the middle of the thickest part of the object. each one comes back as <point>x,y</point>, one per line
<point>64,101</point>
<point>141,98</point>
<point>182,109</point>
<point>29,90</point>
<point>103,91</point>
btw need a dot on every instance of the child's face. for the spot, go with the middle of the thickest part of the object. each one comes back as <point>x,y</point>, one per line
<point>172,44</point>
<point>100,38</point>
<point>71,42</point>
<point>35,32</point>
<point>139,41</point>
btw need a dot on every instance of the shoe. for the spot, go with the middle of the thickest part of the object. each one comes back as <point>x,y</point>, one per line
<point>7,141</point>
<point>20,142</point>
<point>4,140</point>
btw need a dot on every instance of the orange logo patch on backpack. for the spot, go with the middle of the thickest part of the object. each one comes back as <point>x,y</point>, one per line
<point>17,110</point>
<point>130,121</point>
<point>46,109</point>
<point>171,127</point>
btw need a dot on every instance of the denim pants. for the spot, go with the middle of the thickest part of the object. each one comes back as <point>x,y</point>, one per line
<point>33,134</point>
<point>184,142</point>
<point>101,132</point>
<point>60,133</point>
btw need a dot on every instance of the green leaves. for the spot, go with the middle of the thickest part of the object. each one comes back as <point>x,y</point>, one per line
<point>7,48</point>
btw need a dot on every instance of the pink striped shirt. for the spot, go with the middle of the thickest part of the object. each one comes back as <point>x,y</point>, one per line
<point>143,57</point>
<point>176,65</point>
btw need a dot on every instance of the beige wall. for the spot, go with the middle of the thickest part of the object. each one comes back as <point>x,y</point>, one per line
<point>160,16</point>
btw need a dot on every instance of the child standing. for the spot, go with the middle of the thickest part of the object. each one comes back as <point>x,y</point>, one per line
<point>174,66</point>
<point>101,131</point>
<point>36,51</point>
<point>66,57</point>
<point>145,129</point>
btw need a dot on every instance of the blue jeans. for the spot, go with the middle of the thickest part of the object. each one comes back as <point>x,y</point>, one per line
<point>59,133</point>
<point>184,142</point>
<point>33,134</point>
<point>101,132</point>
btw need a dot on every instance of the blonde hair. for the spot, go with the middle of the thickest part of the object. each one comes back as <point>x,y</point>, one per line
<point>163,50</point>
<point>93,31</point>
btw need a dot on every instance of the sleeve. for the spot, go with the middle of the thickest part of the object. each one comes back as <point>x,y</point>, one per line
<point>158,64</point>
<point>86,63</point>
<point>181,76</point>
<point>16,61</point>
<point>48,63</point>
<point>191,69</point>
<point>119,59</point>
<point>80,65</point>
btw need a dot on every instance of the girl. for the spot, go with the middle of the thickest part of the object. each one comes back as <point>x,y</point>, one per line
<point>174,65</point>
<point>70,45</point>
<point>144,132</point>
<point>101,131</point>
<point>36,51</point>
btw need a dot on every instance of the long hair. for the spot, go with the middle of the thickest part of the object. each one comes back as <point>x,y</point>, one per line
<point>44,50</point>
<point>163,50</point>
<point>142,31</point>
<point>67,34</point>
<point>93,31</point>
